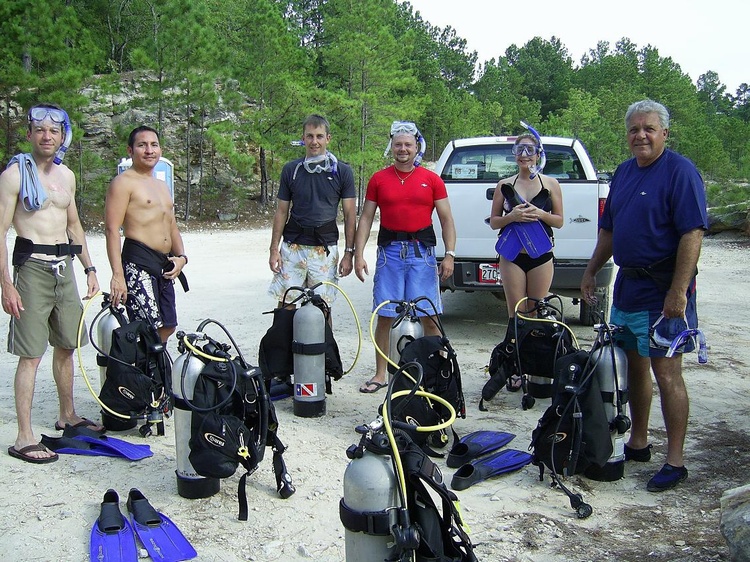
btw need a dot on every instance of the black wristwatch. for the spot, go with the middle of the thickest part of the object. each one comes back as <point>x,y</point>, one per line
<point>183,256</point>
<point>89,269</point>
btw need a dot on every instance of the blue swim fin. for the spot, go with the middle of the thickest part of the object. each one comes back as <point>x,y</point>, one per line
<point>531,235</point>
<point>70,446</point>
<point>501,462</point>
<point>105,444</point>
<point>475,445</point>
<point>161,538</point>
<point>122,448</point>
<point>83,441</point>
<point>112,538</point>
<point>534,238</point>
<point>508,243</point>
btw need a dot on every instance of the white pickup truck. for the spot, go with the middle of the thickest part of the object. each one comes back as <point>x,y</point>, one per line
<point>471,169</point>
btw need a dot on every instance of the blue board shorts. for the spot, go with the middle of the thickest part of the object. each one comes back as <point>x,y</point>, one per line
<point>401,275</point>
<point>639,335</point>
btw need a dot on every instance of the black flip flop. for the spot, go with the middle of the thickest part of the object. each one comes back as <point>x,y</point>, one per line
<point>376,384</point>
<point>23,454</point>
<point>85,422</point>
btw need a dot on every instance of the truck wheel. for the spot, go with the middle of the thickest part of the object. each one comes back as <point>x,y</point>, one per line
<point>589,314</point>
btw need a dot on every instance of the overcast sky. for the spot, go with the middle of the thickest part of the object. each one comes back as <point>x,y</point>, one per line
<point>699,35</point>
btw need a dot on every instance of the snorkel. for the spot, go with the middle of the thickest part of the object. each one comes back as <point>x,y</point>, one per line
<point>685,336</point>
<point>68,139</point>
<point>407,127</point>
<point>536,169</point>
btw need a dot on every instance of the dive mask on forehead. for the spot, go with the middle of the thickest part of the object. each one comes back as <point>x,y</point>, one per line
<point>40,113</point>
<point>407,128</point>
<point>404,127</point>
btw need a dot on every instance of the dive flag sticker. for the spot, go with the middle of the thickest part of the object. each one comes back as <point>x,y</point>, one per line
<point>309,389</point>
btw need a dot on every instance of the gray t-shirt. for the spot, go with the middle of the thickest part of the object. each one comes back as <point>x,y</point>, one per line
<point>315,197</point>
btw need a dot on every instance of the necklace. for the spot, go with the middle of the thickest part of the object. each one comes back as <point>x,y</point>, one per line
<point>403,180</point>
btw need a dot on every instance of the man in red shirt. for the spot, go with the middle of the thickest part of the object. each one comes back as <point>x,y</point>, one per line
<point>406,266</point>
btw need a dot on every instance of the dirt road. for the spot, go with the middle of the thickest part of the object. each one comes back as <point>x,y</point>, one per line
<point>46,511</point>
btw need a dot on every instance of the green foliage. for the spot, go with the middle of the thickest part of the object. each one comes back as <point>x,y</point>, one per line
<point>728,204</point>
<point>725,193</point>
<point>547,72</point>
<point>45,55</point>
<point>239,77</point>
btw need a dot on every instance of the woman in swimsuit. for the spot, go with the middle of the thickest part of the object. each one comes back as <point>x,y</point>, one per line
<point>525,276</point>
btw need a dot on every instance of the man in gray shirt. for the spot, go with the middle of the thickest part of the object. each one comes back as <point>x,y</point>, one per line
<point>309,194</point>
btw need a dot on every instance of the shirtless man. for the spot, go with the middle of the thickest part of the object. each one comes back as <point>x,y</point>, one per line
<point>37,196</point>
<point>153,255</point>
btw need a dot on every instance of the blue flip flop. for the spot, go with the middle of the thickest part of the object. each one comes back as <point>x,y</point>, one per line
<point>502,462</point>
<point>475,445</point>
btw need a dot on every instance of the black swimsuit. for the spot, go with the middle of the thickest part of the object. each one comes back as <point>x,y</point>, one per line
<point>543,200</point>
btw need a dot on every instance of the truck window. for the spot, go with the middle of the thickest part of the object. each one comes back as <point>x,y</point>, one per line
<point>477,164</point>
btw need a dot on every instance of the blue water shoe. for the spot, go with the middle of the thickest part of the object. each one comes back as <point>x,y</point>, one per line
<point>667,478</point>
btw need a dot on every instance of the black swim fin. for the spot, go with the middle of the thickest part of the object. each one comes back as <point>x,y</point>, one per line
<point>112,538</point>
<point>511,196</point>
<point>475,445</point>
<point>160,537</point>
<point>501,462</point>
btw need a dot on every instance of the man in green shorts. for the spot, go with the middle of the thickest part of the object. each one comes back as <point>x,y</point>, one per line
<point>37,196</point>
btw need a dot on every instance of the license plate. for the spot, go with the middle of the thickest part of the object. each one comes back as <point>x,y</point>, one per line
<point>489,274</point>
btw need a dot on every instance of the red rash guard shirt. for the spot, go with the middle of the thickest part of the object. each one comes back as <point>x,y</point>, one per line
<point>407,207</point>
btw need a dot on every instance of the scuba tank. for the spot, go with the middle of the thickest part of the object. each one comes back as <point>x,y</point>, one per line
<point>405,329</point>
<point>611,369</point>
<point>224,419</point>
<point>396,505</point>
<point>108,321</point>
<point>188,368</point>
<point>370,486</point>
<point>308,348</point>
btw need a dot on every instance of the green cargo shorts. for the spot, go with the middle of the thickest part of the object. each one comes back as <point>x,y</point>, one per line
<point>52,308</point>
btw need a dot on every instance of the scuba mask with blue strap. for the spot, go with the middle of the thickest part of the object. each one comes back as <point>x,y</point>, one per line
<point>407,127</point>
<point>58,116</point>
<point>536,169</point>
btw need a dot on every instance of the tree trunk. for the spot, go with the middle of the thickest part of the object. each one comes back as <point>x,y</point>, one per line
<point>187,160</point>
<point>263,177</point>
<point>200,160</point>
